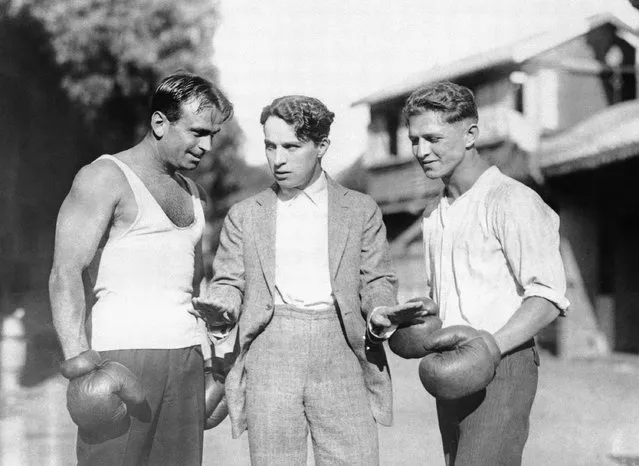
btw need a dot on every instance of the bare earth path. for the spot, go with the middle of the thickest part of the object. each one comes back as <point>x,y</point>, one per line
<point>581,407</point>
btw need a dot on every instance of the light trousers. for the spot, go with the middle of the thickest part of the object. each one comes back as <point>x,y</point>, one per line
<point>302,376</point>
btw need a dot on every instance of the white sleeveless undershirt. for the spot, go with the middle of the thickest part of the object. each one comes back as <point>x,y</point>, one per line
<point>142,279</point>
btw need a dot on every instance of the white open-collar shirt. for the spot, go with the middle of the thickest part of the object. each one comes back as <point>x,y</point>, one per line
<point>494,246</point>
<point>302,276</point>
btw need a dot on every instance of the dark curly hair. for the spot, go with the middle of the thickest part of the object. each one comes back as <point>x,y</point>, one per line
<point>308,115</point>
<point>454,102</point>
<point>183,87</point>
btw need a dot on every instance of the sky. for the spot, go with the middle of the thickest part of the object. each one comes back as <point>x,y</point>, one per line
<point>342,50</point>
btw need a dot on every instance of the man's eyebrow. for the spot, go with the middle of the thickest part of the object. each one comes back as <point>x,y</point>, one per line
<point>426,134</point>
<point>203,129</point>
<point>292,142</point>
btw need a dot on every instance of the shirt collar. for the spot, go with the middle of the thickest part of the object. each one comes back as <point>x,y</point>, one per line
<point>315,192</point>
<point>483,182</point>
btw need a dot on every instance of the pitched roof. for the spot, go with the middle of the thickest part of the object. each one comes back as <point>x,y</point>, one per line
<point>514,53</point>
<point>608,136</point>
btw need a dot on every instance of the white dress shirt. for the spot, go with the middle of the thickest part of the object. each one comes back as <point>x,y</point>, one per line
<point>302,276</point>
<point>494,246</point>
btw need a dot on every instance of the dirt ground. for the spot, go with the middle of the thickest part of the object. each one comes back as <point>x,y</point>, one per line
<point>583,410</point>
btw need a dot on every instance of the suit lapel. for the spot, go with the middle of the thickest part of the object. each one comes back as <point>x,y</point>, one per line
<point>264,228</point>
<point>338,224</point>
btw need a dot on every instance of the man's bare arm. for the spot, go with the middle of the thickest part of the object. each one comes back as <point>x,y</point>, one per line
<point>83,220</point>
<point>534,314</point>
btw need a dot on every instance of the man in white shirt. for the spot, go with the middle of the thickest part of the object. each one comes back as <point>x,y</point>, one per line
<point>493,264</point>
<point>300,267</point>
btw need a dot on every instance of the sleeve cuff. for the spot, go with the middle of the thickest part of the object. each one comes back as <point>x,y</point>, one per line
<point>218,335</point>
<point>551,295</point>
<point>376,336</point>
<point>226,344</point>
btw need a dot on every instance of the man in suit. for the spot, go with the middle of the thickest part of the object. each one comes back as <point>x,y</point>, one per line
<point>301,266</point>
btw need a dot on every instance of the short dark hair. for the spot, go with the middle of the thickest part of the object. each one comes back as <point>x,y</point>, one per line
<point>454,102</point>
<point>308,115</point>
<point>181,88</point>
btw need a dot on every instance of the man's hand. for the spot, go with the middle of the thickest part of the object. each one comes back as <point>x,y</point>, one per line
<point>428,304</point>
<point>214,314</point>
<point>384,320</point>
<point>410,312</point>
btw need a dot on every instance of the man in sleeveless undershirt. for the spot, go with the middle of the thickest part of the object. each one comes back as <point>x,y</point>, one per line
<point>131,228</point>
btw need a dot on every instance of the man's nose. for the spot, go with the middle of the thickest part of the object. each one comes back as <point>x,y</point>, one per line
<point>204,143</point>
<point>280,157</point>
<point>421,149</point>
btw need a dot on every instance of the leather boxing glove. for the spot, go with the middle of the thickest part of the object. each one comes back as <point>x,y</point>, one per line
<point>100,392</point>
<point>462,361</point>
<point>408,340</point>
<point>214,399</point>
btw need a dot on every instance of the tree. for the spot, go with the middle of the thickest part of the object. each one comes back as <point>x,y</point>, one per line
<point>74,83</point>
<point>114,52</point>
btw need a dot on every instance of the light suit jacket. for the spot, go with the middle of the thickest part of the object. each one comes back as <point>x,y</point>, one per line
<point>362,277</point>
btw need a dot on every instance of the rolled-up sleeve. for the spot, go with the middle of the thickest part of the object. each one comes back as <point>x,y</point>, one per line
<point>528,230</point>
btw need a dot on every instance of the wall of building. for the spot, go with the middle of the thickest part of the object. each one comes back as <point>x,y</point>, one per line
<point>498,92</point>
<point>578,208</point>
<point>564,86</point>
<point>600,220</point>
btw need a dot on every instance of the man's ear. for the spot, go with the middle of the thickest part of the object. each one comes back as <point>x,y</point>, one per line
<point>322,147</point>
<point>159,123</point>
<point>472,133</point>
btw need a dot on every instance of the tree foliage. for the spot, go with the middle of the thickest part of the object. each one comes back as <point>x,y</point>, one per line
<point>113,52</point>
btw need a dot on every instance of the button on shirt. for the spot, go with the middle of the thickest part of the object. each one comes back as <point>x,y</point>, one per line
<point>494,246</point>
<point>302,277</point>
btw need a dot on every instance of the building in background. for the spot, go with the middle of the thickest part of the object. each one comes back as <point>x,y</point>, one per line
<point>557,111</point>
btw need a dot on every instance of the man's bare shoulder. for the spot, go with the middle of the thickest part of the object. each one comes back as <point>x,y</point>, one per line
<point>101,177</point>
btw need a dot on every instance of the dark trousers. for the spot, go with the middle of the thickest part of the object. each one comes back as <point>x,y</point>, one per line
<point>169,429</point>
<point>490,427</point>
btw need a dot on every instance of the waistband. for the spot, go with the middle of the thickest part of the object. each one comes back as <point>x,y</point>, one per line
<point>287,310</point>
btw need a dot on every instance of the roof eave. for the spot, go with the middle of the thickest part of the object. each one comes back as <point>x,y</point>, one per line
<point>456,70</point>
<point>515,54</point>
